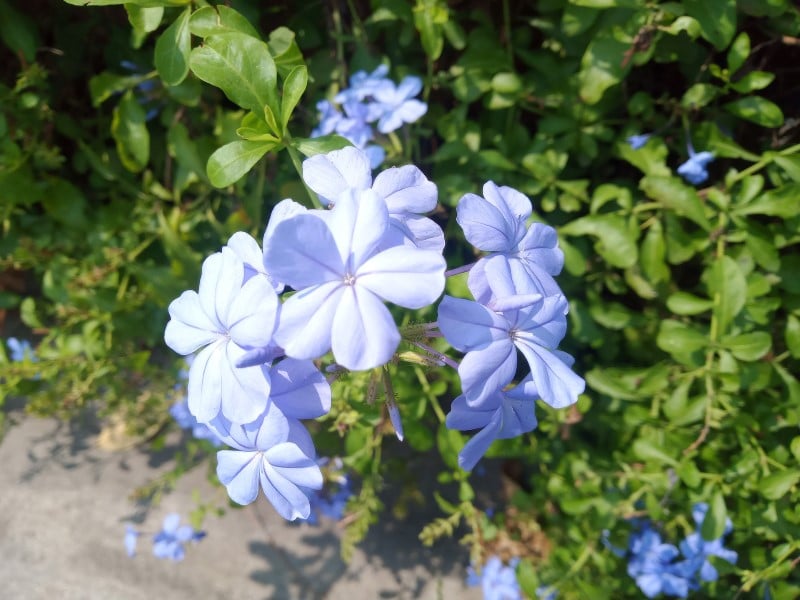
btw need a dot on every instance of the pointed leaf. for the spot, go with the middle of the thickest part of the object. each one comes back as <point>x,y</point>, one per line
<point>230,162</point>
<point>293,88</point>
<point>172,50</point>
<point>673,194</point>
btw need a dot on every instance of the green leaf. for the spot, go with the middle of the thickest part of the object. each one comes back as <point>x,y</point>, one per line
<point>689,474</point>
<point>648,451</point>
<point>727,286</point>
<point>738,52</point>
<point>684,303</point>
<point>717,19</point>
<point>241,66</point>
<point>699,95</point>
<point>748,346</point>
<point>616,243</point>
<point>19,33</point>
<point>673,194</point>
<point>754,80</point>
<point>790,165</point>
<point>601,67</point>
<point>675,337</point>
<point>285,50</point>
<point>184,150</point>
<point>793,335</point>
<point>293,87</point>
<point>144,19</point>
<point>211,20</point>
<point>777,485</point>
<point>105,85</point>
<point>229,163</point>
<point>429,17</point>
<point>758,110</point>
<point>779,202</point>
<point>129,130</point>
<point>172,50</point>
<point>320,145</point>
<point>716,518</point>
<point>653,254</point>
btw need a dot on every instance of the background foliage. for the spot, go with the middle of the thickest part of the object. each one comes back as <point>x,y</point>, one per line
<point>129,151</point>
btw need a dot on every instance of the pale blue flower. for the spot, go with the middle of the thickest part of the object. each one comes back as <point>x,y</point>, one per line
<point>497,224</point>
<point>363,85</point>
<point>398,104</point>
<point>274,454</point>
<point>498,581</point>
<point>639,140</point>
<point>503,415</point>
<point>21,350</point>
<point>186,420</point>
<point>227,318</point>
<point>331,500</point>
<point>695,548</point>
<point>329,118</point>
<point>408,194</point>
<point>694,169</point>
<point>651,565</point>
<point>131,537</point>
<point>169,542</point>
<point>517,318</point>
<point>343,278</point>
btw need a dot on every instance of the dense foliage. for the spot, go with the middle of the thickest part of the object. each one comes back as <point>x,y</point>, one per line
<point>660,139</point>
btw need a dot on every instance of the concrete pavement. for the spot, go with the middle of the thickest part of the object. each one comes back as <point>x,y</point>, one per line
<point>64,503</point>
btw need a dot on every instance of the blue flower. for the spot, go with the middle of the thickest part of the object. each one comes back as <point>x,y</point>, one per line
<point>498,581</point>
<point>168,543</point>
<point>186,420</point>
<point>332,499</point>
<point>694,169</point>
<point>639,140</point>
<point>131,537</point>
<point>21,350</point>
<point>652,567</point>
<point>398,105</point>
<point>696,549</point>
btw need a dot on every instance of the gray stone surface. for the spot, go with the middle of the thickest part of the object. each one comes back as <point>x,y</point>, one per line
<point>64,503</point>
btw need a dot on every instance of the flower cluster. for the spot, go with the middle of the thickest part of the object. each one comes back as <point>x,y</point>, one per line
<point>167,543</point>
<point>518,308</point>
<point>661,568</point>
<point>254,378</point>
<point>371,98</point>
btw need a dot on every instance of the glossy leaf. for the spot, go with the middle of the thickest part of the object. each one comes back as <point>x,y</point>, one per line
<point>728,288</point>
<point>232,161</point>
<point>293,88</point>
<point>675,195</point>
<point>130,133</point>
<point>211,20</point>
<point>757,110</point>
<point>172,50</point>
<point>241,66</point>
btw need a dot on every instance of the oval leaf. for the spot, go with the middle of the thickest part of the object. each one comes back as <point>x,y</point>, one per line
<point>228,164</point>
<point>172,50</point>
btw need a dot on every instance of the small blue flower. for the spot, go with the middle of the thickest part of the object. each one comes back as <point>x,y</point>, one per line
<point>498,581</point>
<point>131,537</point>
<point>639,140</point>
<point>399,105</point>
<point>651,565</point>
<point>694,169</point>
<point>168,543</point>
<point>696,549</point>
<point>186,420</point>
<point>332,499</point>
<point>21,350</point>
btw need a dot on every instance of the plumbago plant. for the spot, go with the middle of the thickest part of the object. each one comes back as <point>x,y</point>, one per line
<point>659,144</point>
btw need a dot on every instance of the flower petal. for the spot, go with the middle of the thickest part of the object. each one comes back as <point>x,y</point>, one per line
<point>253,313</point>
<point>364,334</point>
<point>486,371</point>
<point>468,325</point>
<point>239,472</point>
<point>558,385</point>
<point>332,173</point>
<point>403,275</point>
<point>189,327</point>
<point>299,389</point>
<point>306,320</point>
<point>406,189</point>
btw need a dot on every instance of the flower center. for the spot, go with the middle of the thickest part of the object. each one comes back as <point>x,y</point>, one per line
<point>349,279</point>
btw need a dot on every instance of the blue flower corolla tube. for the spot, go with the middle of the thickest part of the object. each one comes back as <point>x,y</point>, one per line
<point>639,140</point>
<point>652,567</point>
<point>274,454</point>
<point>496,224</point>
<point>694,170</point>
<point>695,548</point>
<point>497,581</point>
<point>227,317</point>
<point>517,318</point>
<point>503,415</point>
<point>408,194</point>
<point>169,542</point>
<point>342,280</point>
<point>398,105</point>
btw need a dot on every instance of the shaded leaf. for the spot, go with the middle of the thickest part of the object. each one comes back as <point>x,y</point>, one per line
<point>230,162</point>
<point>172,50</point>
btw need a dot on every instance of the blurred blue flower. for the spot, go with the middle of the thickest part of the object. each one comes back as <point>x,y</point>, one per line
<point>498,581</point>
<point>696,549</point>
<point>131,537</point>
<point>694,169</point>
<point>652,567</point>
<point>399,105</point>
<point>639,140</point>
<point>186,420</point>
<point>168,543</point>
<point>331,500</point>
<point>21,350</point>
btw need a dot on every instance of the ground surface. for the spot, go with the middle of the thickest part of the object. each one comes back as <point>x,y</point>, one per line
<point>64,503</point>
